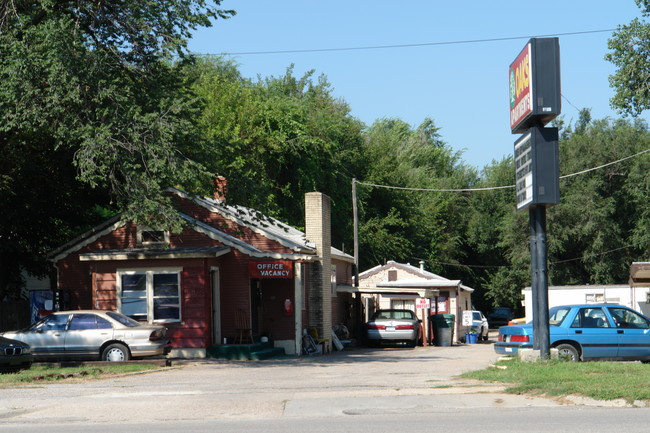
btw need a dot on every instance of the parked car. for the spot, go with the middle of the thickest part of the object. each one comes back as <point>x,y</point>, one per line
<point>500,316</point>
<point>586,332</point>
<point>517,321</point>
<point>394,326</point>
<point>479,325</point>
<point>14,355</point>
<point>92,334</point>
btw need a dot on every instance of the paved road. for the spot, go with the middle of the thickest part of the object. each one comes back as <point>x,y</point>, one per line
<point>355,381</point>
<point>356,384</point>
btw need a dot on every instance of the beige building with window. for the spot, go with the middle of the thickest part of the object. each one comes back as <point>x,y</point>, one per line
<point>398,285</point>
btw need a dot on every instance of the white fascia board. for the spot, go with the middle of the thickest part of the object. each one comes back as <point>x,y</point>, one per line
<point>171,254</point>
<point>87,240</point>
<point>420,283</point>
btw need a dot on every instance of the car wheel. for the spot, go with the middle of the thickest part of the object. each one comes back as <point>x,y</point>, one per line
<point>568,352</point>
<point>115,352</point>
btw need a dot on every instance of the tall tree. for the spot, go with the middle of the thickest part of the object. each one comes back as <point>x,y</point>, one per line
<point>404,225</point>
<point>630,46</point>
<point>88,93</point>
<point>277,138</point>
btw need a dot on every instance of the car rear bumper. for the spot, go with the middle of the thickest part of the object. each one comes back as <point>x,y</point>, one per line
<point>157,349</point>
<point>510,348</point>
<point>408,335</point>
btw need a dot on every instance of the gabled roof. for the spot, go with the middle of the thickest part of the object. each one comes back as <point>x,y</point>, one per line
<point>268,227</point>
<point>261,224</point>
<point>419,277</point>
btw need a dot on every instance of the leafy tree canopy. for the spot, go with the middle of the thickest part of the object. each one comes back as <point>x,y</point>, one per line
<point>630,46</point>
<point>93,112</point>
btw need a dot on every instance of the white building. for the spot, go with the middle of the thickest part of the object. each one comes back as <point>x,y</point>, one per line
<point>635,294</point>
<point>398,285</point>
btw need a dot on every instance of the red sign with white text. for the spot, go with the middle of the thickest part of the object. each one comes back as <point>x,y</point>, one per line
<point>521,88</point>
<point>276,269</point>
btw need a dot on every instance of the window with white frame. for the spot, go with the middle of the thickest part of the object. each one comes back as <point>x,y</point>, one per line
<point>147,237</point>
<point>150,295</point>
<point>594,298</point>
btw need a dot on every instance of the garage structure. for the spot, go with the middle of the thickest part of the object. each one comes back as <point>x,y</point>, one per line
<point>403,286</point>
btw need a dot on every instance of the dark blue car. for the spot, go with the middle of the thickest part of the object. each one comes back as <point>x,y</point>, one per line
<point>586,332</point>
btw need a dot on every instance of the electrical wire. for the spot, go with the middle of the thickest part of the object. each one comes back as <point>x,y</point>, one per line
<point>424,44</point>
<point>496,187</point>
<point>512,186</point>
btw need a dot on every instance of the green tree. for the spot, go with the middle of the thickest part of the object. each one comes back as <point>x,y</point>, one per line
<point>278,138</point>
<point>597,230</point>
<point>630,46</point>
<point>89,98</point>
<point>424,225</point>
<point>497,239</point>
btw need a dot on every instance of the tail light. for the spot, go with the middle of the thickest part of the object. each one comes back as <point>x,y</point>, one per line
<point>375,326</point>
<point>514,338</point>
<point>405,326</point>
<point>158,334</point>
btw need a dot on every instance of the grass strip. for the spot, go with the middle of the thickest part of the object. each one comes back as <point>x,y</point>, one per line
<point>598,380</point>
<point>46,374</point>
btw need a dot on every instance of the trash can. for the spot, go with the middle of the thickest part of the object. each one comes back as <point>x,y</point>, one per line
<point>443,329</point>
<point>471,338</point>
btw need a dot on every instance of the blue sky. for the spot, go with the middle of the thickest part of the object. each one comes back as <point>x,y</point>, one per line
<point>463,87</point>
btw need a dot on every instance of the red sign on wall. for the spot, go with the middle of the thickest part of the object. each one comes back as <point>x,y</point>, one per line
<point>521,89</point>
<point>276,269</point>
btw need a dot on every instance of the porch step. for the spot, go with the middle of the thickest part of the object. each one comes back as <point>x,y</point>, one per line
<point>256,351</point>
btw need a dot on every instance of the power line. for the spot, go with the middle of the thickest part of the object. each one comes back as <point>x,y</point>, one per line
<point>491,188</point>
<point>414,45</point>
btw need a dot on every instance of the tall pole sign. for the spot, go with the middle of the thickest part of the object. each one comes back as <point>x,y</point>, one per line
<point>535,100</point>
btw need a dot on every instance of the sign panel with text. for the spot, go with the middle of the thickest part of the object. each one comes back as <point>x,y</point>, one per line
<point>534,84</point>
<point>537,168</point>
<point>276,269</point>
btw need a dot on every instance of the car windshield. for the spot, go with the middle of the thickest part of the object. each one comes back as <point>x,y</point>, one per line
<point>124,320</point>
<point>394,314</point>
<point>557,315</point>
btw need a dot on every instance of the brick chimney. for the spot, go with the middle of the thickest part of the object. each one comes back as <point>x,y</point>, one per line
<point>318,231</point>
<point>220,188</point>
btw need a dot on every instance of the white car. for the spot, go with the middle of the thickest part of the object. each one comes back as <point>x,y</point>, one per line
<point>394,326</point>
<point>92,334</point>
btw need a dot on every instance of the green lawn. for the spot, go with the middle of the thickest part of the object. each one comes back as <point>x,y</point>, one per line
<point>44,373</point>
<point>598,380</point>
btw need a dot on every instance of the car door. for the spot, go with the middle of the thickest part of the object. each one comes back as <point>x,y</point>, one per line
<point>595,333</point>
<point>47,337</point>
<point>86,334</point>
<point>633,331</point>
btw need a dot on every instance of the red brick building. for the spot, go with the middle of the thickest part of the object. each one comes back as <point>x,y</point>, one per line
<point>229,265</point>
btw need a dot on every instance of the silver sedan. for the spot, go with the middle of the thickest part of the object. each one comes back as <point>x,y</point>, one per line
<point>92,334</point>
<point>394,326</point>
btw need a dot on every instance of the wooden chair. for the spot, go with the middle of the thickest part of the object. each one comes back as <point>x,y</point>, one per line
<point>243,326</point>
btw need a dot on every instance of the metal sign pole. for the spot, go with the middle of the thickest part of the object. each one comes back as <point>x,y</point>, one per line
<point>542,335</point>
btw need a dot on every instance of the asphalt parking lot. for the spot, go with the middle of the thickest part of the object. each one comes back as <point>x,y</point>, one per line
<point>356,380</point>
